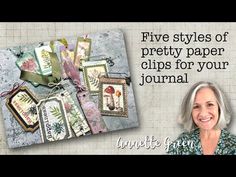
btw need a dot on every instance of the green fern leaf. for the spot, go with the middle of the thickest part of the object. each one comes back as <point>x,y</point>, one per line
<point>25,98</point>
<point>57,113</point>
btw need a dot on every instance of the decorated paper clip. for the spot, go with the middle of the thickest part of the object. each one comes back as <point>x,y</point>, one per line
<point>125,75</point>
<point>109,60</point>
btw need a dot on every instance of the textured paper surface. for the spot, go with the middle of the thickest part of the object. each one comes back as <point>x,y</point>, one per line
<point>157,105</point>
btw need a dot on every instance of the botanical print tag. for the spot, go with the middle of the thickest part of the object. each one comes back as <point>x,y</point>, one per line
<point>92,114</point>
<point>28,62</point>
<point>65,55</point>
<point>43,58</point>
<point>76,119</point>
<point>22,105</point>
<point>113,97</point>
<point>53,121</point>
<point>83,48</point>
<point>92,71</point>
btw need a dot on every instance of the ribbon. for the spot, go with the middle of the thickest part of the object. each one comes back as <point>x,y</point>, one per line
<point>14,88</point>
<point>63,41</point>
<point>41,79</point>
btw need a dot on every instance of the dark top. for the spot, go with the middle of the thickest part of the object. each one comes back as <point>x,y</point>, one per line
<point>190,144</point>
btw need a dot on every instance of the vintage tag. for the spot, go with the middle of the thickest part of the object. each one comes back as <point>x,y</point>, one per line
<point>22,104</point>
<point>43,58</point>
<point>66,54</point>
<point>28,62</point>
<point>92,71</point>
<point>53,121</point>
<point>55,76</point>
<point>76,119</point>
<point>92,114</point>
<point>82,53</point>
<point>113,97</point>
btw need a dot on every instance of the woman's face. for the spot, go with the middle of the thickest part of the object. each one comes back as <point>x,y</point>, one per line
<point>205,111</point>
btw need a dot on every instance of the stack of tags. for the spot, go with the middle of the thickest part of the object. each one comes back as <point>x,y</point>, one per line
<point>64,88</point>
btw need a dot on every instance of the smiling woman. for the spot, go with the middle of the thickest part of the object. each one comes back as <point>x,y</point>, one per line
<point>205,113</point>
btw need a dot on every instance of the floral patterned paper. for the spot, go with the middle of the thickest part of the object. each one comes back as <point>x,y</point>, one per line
<point>76,119</point>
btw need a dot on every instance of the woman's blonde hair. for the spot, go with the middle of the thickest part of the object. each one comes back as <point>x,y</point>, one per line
<point>185,117</point>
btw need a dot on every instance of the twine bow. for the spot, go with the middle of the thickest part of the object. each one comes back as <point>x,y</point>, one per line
<point>78,86</point>
<point>14,88</point>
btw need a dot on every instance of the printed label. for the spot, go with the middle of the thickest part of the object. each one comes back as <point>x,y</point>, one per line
<point>76,119</point>
<point>93,70</point>
<point>83,48</point>
<point>53,121</point>
<point>22,104</point>
<point>43,57</point>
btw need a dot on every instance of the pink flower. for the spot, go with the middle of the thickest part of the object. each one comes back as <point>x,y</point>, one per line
<point>68,107</point>
<point>29,65</point>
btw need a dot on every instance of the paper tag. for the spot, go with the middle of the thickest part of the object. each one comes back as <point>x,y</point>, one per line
<point>92,71</point>
<point>82,53</point>
<point>45,79</point>
<point>22,105</point>
<point>53,121</point>
<point>28,62</point>
<point>66,54</point>
<point>113,97</point>
<point>76,119</point>
<point>43,58</point>
<point>92,114</point>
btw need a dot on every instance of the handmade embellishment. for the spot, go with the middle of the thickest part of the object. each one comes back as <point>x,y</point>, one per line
<point>113,97</point>
<point>53,121</point>
<point>75,99</point>
<point>66,53</point>
<point>76,119</point>
<point>93,115</point>
<point>28,62</point>
<point>92,71</point>
<point>22,104</point>
<point>82,52</point>
<point>54,77</point>
<point>109,60</point>
<point>90,109</point>
<point>43,58</point>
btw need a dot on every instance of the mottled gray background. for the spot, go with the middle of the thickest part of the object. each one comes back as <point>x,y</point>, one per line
<point>157,104</point>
